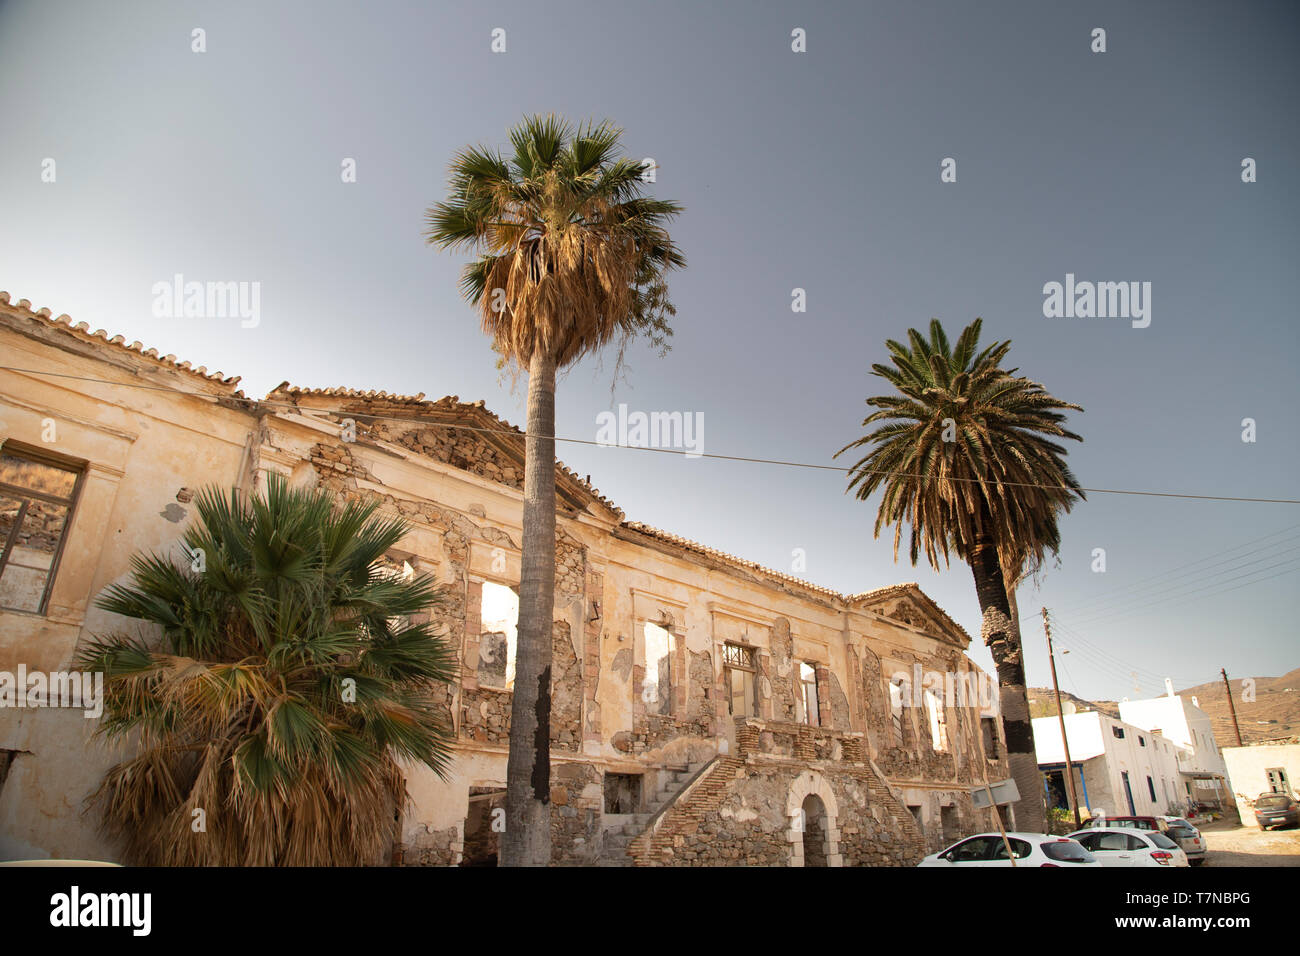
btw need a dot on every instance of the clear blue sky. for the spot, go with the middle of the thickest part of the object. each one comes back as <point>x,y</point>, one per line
<point>817,170</point>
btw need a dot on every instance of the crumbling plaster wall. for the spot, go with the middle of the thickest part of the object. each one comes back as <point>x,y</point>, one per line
<point>758,822</point>
<point>461,495</point>
<point>128,504</point>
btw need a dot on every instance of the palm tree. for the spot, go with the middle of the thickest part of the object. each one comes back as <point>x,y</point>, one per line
<point>965,455</point>
<point>284,681</point>
<point>571,257</point>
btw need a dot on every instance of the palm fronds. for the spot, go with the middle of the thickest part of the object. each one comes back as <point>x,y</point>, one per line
<point>964,447</point>
<point>281,687</point>
<point>571,256</point>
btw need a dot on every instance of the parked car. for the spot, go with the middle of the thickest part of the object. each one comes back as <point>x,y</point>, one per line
<point>1189,839</point>
<point>1157,824</point>
<point>1030,849</point>
<point>1276,810</point>
<point>1130,846</point>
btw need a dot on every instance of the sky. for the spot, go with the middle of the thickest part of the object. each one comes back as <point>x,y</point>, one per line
<point>817,170</point>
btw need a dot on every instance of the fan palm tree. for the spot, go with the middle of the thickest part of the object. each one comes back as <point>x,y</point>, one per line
<point>571,257</point>
<point>965,453</point>
<point>284,681</point>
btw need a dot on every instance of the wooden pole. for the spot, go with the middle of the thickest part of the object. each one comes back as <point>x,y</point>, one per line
<point>1060,715</point>
<point>1231,707</point>
<point>997,818</point>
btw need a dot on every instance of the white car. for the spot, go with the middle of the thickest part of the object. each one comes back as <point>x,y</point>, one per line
<point>1029,849</point>
<point>1121,846</point>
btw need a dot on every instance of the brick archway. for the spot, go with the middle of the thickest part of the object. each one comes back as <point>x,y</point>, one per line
<point>805,785</point>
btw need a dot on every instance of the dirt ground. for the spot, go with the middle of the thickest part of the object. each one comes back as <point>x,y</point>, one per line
<point>1228,843</point>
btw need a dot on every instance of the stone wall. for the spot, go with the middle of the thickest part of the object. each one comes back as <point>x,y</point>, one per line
<point>577,803</point>
<point>566,692</point>
<point>751,809</point>
<point>457,447</point>
<point>430,848</point>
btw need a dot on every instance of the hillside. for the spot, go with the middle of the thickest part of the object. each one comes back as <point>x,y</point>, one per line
<point>1274,713</point>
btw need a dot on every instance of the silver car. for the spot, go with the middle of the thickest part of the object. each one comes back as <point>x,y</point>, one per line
<point>1188,838</point>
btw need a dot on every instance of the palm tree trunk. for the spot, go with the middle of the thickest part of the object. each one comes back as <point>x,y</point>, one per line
<point>527,837</point>
<point>1002,636</point>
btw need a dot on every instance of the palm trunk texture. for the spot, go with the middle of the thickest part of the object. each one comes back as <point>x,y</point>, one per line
<point>527,837</point>
<point>1002,636</point>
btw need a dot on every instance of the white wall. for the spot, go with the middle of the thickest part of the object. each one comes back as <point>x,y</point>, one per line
<point>1139,753</point>
<point>1183,723</point>
<point>1248,766</point>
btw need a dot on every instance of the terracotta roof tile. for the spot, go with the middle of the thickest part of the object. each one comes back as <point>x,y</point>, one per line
<point>452,403</point>
<point>81,330</point>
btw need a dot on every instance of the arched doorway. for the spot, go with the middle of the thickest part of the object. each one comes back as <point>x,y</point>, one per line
<point>813,816</point>
<point>813,835</point>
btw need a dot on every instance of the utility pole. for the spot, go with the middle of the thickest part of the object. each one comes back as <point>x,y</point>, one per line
<point>1060,715</point>
<point>1231,707</point>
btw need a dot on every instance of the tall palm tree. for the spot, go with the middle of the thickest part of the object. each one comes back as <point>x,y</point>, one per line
<point>571,258</point>
<point>964,453</point>
<point>284,683</point>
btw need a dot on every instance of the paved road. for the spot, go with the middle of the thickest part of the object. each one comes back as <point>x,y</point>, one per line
<point>1228,843</point>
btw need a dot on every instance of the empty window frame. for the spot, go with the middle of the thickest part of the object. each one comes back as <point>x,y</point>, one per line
<point>938,721</point>
<point>808,687</point>
<point>1118,732</point>
<point>989,732</point>
<point>1277,780</point>
<point>738,671</point>
<point>498,636</point>
<point>896,710</point>
<point>38,494</point>
<point>657,684</point>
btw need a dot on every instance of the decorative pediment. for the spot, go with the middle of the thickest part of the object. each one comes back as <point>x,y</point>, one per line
<point>910,606</point>
<point>465,436</point>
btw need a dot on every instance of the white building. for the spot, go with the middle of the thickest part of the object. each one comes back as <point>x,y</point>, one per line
<point>1260,769</point>
<point>1202,770</point>
<point>1117,767</point>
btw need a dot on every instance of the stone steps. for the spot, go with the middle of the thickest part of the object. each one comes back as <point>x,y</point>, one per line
<point>620,830</point>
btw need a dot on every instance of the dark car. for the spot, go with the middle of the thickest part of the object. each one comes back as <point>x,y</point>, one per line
<point>1276,810</point>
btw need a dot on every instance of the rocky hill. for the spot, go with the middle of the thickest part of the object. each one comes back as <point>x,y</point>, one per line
<point>1273,715</point>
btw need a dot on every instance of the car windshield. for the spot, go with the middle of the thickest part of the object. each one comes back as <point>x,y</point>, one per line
<point>1067,851</point>
<point>1181,833</point>
<point>1274,802</point>
<point>1162,841</point>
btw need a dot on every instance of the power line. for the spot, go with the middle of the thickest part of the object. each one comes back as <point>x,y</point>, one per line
<point>1083,646</point>
<point>1196,596</point>
<point>665,451</point>
<point>1105,608</point>
<point>1100,657</point>
<point>1114,669</point>
<point>1088,603</point>
<point>1212,592</point>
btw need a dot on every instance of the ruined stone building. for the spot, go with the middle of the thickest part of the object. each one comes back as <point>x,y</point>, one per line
<point>706,710</point>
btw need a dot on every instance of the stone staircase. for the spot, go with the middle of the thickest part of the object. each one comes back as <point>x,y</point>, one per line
<point>621,829</point>
<point>889,796</point>
<point>681,817</point>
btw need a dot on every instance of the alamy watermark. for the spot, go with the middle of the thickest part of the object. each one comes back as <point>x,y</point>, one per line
<point>1098,300</point>
<point>684,430</point>
<point>78,690</point>
<point>961,689</point>
<point>179,299</point>
<point>127,910</point>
